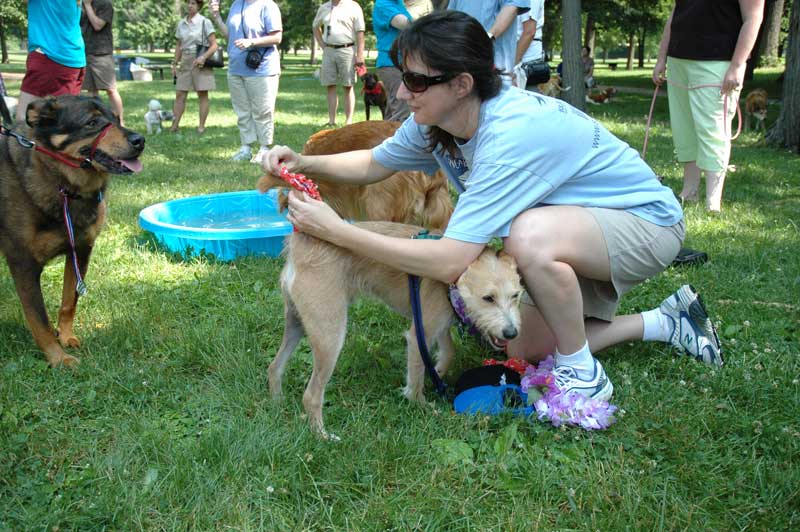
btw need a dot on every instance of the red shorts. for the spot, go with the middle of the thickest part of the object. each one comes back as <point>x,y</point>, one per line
<point>45,77</point>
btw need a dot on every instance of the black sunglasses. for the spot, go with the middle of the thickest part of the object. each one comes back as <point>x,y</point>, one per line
<point>416,82</point>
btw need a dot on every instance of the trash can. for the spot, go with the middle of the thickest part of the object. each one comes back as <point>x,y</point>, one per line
<point>125,68</point>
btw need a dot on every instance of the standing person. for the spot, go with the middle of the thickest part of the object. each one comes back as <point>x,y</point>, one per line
<point>582,213</point>
<point>190,69</point>
<point>98,38</point>
<point>588,67</point>
<point>498,18</point>
<point>56,54</point>
<point>529,38</point>
<point>338,29</point>
<point>388,18</point>
<point>704,48</point>
<point>253,27</point>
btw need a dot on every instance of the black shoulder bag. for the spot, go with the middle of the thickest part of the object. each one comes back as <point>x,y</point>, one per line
<point>254,56</point>
<point>215,60</point>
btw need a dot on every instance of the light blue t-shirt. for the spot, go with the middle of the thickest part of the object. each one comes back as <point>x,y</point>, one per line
<point>261,17</point>
<point>54,26</point>
<point>531,150</point>
<point>485,11</point>
<point>382,14</point>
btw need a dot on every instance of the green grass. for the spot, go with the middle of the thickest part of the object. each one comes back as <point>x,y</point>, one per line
<point>167,424</point>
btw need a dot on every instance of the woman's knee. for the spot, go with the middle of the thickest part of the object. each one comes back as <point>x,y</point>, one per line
<point>528,241</point>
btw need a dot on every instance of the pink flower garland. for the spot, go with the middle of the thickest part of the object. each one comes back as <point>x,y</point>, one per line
<point>564,408</point>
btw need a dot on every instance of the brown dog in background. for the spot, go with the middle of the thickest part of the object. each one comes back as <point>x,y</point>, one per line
<point>603,96</point>
<point>407,197</point>
<point>320,280</point>
<point>34,188</point>
<point>552,87</point>
<point>755,108</point>
<point>374,94</point>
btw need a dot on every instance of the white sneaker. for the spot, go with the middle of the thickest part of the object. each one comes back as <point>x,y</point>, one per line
<point>692,330</point>
<point>597,387</point>
<point>259,155</point>
<point>242,155</point>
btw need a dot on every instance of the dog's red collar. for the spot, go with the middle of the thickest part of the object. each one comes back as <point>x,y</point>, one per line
<point>74,162</point>
<point>376,90</point>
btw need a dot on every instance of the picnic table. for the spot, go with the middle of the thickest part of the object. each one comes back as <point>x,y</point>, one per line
<point>157,67</point>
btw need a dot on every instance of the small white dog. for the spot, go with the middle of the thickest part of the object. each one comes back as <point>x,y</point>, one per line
<point>154,116</point>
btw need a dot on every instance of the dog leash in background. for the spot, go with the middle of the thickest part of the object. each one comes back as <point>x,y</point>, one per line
<point>419,330</point>
<point>725,99</point>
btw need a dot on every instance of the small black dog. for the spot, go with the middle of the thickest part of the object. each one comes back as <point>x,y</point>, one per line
<point>374,93</point>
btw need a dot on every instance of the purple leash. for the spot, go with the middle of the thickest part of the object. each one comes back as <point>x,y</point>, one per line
<point>80,286</point>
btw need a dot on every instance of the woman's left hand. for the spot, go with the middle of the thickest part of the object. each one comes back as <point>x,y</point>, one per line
<point>243,44</point>
<point>199,62</point>
<point>312,216</point>
<point>734,78</point>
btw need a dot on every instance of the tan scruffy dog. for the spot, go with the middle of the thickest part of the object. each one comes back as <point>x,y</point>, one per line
<point>408,197</point>
<point>320,280</point>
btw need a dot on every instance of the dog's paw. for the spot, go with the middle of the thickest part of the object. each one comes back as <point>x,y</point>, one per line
<point>64,360</point>
<point>414,394</point>
<point>69,340</point>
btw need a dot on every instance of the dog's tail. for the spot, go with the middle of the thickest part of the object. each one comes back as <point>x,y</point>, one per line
<point>269,181</point>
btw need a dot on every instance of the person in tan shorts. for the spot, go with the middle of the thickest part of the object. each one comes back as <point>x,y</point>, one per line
<point>339,30</point>
<point>96,22</point>
<point>188,69</point>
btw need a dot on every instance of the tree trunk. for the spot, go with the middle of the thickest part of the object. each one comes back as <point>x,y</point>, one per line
<point>786,131</point>
<point>589,34</point>
<point>642,37</point>
<point>573,66</point>
<point>631,38</point>
<point>3,44</point>
<point>772,33</point>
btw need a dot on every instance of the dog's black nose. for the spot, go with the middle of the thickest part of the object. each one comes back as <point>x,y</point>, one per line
<point>136,140</point>
<point>510,332</point>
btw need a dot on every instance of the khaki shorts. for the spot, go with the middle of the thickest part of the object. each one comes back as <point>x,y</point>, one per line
<point>637,249</point>
<point>99,73</point>
<point>338,66</point>
<point>191,78</point>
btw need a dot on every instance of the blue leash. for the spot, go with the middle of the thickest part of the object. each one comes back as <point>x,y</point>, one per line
<point>416,312</point>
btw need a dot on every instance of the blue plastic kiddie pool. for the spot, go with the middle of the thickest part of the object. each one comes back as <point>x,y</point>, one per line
<point>227,225</point>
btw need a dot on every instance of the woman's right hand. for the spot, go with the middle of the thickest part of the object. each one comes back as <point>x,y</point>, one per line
<point>174,70</point>
<point>214,7</point>
<point>660,72</point>
<point>278,157</point>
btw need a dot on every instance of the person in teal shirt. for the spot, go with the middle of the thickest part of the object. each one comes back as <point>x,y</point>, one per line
<point>388,18</point>
<point>56,54</point>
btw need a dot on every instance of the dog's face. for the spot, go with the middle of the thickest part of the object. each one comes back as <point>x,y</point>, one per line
<point>72,124</point>
<point>491,289</point>
<point>370,80</point>
<point>756,104</point>
<point>154,105</point>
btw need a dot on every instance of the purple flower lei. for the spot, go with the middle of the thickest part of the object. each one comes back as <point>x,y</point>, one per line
<point>460,309</point>
<point>559,408</point>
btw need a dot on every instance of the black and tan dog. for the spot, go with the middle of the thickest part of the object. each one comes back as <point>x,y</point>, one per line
<point>374,94</point>
<point>54,170</point>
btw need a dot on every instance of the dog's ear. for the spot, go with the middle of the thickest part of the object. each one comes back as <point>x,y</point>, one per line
<point>507,258</point>
<point>42,113</point>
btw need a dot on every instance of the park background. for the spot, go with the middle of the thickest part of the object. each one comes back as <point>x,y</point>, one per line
<point>167,424</point>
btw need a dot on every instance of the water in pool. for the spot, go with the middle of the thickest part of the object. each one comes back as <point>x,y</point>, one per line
<point>232,220</point>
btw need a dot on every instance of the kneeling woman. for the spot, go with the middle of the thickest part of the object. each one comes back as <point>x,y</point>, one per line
<point>584,216</point>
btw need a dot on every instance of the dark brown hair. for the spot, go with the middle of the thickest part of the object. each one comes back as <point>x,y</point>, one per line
<point>451,42</point>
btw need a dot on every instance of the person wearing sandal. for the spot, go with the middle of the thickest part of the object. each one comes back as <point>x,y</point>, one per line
<point>188,69</point>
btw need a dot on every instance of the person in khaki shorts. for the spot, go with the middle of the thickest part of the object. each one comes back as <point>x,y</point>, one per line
<point>96,21</point>
<point>339,30</point>
<point>188,68</point>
